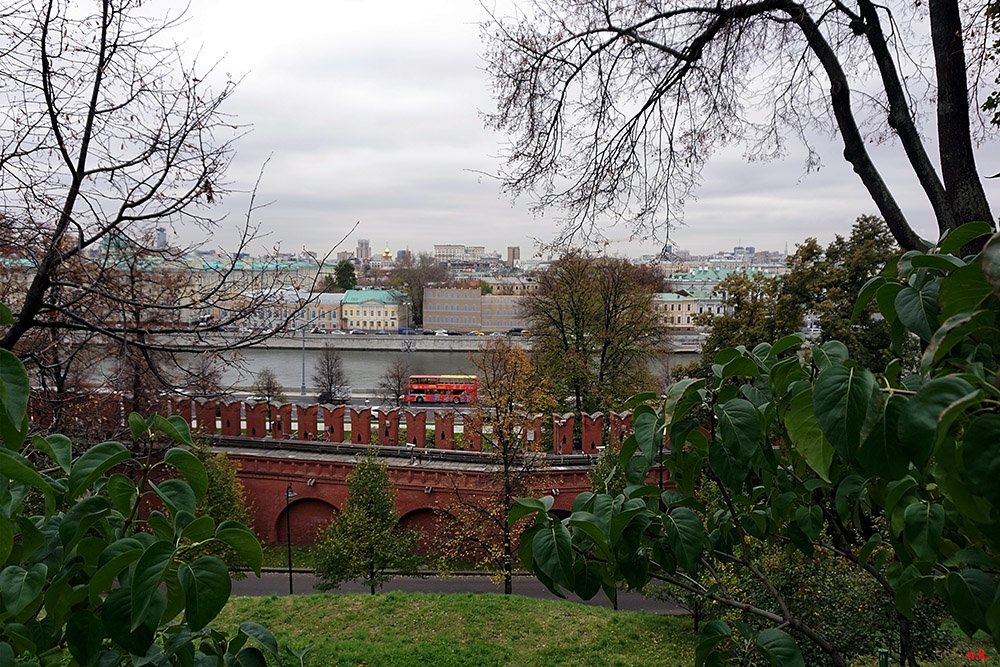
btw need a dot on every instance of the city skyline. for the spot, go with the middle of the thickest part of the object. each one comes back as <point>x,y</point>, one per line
<point>372,115</point>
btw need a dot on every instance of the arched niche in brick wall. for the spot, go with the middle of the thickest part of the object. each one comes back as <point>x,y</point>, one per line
<point>308,517</point>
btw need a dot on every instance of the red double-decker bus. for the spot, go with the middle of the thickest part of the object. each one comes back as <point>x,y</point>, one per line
<point>441,389</point>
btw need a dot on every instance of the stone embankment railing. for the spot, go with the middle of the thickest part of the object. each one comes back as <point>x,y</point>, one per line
<point>250,419</point>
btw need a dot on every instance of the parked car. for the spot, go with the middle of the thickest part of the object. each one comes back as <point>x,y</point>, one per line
<point>381,333</point>
<point>340,332</point>
<point>407,331</point>
<point>358,332</point>
<point>476,333</point>
<point>441,332</point>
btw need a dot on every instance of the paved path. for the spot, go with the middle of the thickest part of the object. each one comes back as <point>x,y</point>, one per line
<point>302,583</point>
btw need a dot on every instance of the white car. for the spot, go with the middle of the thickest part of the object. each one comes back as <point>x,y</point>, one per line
<point>441,332</point>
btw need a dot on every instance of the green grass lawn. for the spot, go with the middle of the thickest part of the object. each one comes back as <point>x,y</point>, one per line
<point>466,629</point>
<point>485,629</point>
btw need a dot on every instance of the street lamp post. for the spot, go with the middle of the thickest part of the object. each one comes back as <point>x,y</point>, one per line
<point>303,360</point>
<point>289,494</point>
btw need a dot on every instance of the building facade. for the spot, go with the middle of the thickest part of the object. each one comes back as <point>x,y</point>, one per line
<point>375,310</point>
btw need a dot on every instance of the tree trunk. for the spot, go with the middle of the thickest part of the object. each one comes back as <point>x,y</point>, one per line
<point>958,162</point>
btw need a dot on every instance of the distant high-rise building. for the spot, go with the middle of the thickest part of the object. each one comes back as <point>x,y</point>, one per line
<point>513,255</point>
<point>161,238</point>
<point>364,250</point>
<point>445,253</point>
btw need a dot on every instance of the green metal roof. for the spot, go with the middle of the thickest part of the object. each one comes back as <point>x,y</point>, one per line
<point>385,296</point>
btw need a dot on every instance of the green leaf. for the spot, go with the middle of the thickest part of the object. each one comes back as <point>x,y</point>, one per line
<point>740,367</point>
<point>923,524</point>
<point>873,543</point>
<point>149,573</point>
<point>199,530</point>
<point>739,436</point>
<point>786,343</point>
<point>809,520</point>
<point>553,551</point>
<point>16,467</point>
<point>841,400</point>
<point>981,457</point>
<point>207,586</point>
<point>886,298</point>
<point>137,426</point>
<point>807,436</point>
<point>942,263</point>
<point>588,578</point>
<point>964,290</point>
<point>681,397</point>
<point>648,432</point>
<point>589,525</point>
<point>896,491</point>
<point>6,317</point>
<point>92,464</point>
<point>970,594</point>
<point>923,418</point>
<point>192,469</point>
<point>779,648</point>
<point>641,399</point>
<point>848,494</point>
<point>122,492</point>
<point>6,538</point>
<point>524,506</point>
<point>80,517</point>
<point>917,309</point>
<point>830,353</point>
<point>243,542</point>
<point>953,240</point>
<point>174,427</point>
<point>879,453</point>
<point>784,374</point>
<point>120,555</point>
<point>251,657</point>
<point>176,494</point>
<point>712,633</point>
<point>262,636</point>
<point>865,296</point>
<point>116,615</point>
<point>58,447</point>
<point>952,332</point>
<point>20,587</point>
<point>685,534</point>
<point>14,389</point>
<point>84,636</point>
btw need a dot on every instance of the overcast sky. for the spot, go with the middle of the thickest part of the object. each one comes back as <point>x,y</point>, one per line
<point>370,112</point>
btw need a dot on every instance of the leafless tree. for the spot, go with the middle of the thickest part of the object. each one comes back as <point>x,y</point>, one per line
<point>613,108</point>
<point>106,132</point>
<point>329,376</point>
<point>267,389</point>
<point>205,376</point>
<point>392,385</point>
